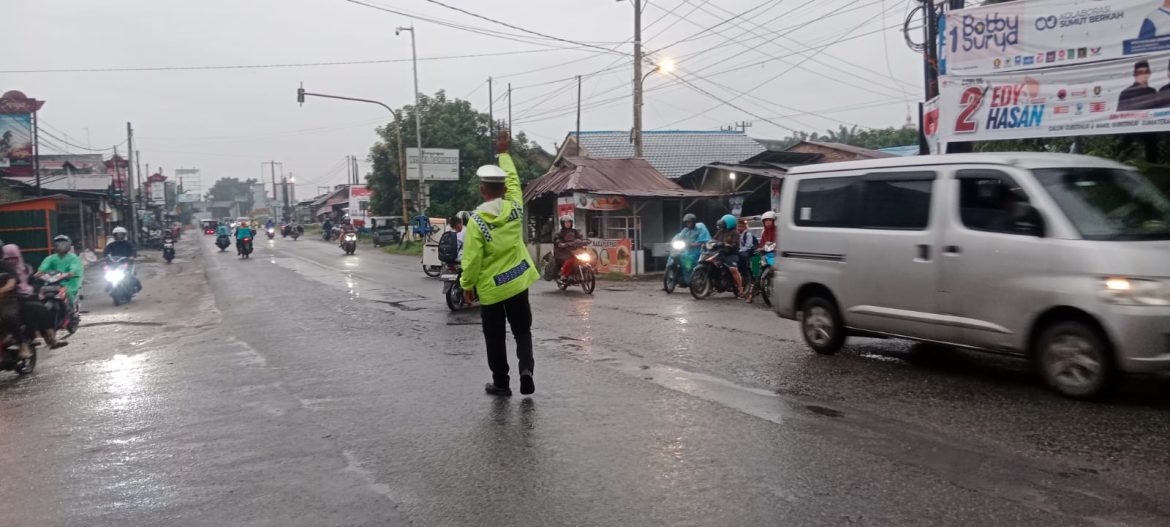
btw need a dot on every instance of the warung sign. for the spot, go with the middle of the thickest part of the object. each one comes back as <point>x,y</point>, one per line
<point>439,164</point>
<point>1113,97</point>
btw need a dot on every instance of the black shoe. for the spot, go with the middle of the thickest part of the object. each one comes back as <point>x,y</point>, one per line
<point>526,384</point>
<point>492,389</point>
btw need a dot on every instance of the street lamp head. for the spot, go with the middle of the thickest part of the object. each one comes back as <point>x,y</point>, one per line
<point>665,66</point>
<point>732,176</point>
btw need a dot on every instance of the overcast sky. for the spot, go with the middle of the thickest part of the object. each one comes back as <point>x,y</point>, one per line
<point>795,64</point>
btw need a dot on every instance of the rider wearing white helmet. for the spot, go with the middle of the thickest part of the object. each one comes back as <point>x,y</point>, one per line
<point>121,247</point>
<point>563,244</point>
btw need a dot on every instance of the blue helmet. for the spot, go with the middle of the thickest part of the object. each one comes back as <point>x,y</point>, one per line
<point>728,221</point>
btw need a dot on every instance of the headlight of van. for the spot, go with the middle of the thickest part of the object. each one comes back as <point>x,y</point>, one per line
<point>1125,291</point>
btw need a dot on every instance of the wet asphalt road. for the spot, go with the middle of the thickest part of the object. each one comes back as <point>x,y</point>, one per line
<point>304,387</point>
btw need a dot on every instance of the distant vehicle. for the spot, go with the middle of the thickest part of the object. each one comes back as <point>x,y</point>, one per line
<point>208,227</point>
<point>1057,258</point>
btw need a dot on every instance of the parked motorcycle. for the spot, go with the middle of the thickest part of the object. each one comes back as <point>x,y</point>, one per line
<point>246,247</point>
<point>349,242</point>
<point>582,273</point>
<point>168,249</point>
<point>762,285</point>
<point>710,275</point>
<point>10,357</point>
<point>119,274</point>
<point>452,291</point>
<point>55,296</point>
<point>674,272</point>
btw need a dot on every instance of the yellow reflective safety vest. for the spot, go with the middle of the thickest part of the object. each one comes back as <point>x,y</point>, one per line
<point>495,260</point>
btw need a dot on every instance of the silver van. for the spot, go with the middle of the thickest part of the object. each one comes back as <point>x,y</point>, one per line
<point>1062,259</point>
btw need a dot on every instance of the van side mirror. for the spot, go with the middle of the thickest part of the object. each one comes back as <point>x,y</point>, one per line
<point>1027,220</point>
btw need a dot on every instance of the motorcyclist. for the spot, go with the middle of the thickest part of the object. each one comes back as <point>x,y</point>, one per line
<point>327,229</point>
<point>243,231</point>
<point>122,248</point>
<point>222,230</point>
<point>564,243</point>
<point>64,261</point>
<point>269,224</point>
<point>695,234</point>
<point>726,234</point>
<point>459,225</point>
<point>747,247</point>
<point>36,317</point>
<point>766,237</point>
<point>346,227</point>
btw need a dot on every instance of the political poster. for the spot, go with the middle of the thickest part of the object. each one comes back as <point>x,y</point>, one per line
<point>1035,34</point>
<point>359,204</point>
<point>930,122</point>
<point>1113,97</point>
<point>565,207</point>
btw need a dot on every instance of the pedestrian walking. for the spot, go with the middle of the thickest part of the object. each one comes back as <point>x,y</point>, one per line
<point>498,269</point>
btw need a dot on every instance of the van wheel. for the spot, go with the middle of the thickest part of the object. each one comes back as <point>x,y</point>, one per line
<point>1075,360</point>
<point>822,326</point>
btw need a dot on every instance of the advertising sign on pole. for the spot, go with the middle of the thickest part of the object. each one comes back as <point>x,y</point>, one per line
<point>1014,36</point>
<point>158,193</point>
<point>16,143</point>
<point>359,204</point>
<point>930,122</point>
<point>439,164</point>
<point>1111,97</point>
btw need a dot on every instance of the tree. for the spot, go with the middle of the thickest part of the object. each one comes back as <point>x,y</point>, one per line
<point>230,189</point>
<point>873,138</point>
<point>446,124</point>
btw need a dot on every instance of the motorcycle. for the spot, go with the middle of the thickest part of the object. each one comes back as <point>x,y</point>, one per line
<point>762,285</point>
<point>674,272</point>
<point>284,230</point>
<point>246,247</point>
<point>710,275</point>
<point>223,242</point>
<point>55,297</point>
<point>582,273</point>
<point>296,232</point>
<point>119,275</point>
<point>10,357</point>
<point>168,249</point>
<point>452,291</point>
<point>349,242</point>
<point>271,232</point>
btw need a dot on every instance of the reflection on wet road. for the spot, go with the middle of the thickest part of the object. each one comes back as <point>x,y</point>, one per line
<point>305,387</point>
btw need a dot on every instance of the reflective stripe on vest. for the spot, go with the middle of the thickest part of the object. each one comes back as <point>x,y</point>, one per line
<point>483,227</point>
<point>511,274</point>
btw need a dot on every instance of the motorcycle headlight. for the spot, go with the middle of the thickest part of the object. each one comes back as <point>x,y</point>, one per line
<point>678,245</point>
<point>350,237</point>
<point>270,231</point>
<point>114,276</point>
<point>1125,291</point>
<point>584,257</point>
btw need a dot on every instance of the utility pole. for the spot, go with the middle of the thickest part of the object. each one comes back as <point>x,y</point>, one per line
<point>130,181</point>
<point>348,170</point>
<point>577,139</point>
<point>401,172</point>
<point>422,185</point>
<point>491,114</point>
<point>509,110</point>
<point>357,177</point>
<point>637,78</point>
<point>284,212</point>
<point>37,153</point>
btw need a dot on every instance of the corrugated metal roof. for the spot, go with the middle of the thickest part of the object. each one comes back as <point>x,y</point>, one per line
<point>626,177</point>
<point>672,152</point>
<point>861,152</point>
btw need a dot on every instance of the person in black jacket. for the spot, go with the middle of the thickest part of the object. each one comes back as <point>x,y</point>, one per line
<point>121,247</point>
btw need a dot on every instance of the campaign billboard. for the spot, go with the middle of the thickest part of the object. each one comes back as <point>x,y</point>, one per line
<point>1111,97</point>
<point>1035,34</point>
<point>359,203</point>
<point>439,164</point>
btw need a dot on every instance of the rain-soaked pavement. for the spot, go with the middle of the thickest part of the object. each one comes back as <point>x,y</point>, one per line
<point>304,387</point>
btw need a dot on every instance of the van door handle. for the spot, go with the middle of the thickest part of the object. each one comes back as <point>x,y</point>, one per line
<point>953,250</point>
<point>924,252</point>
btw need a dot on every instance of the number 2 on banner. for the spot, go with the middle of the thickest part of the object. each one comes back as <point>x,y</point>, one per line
<point>970,101</point>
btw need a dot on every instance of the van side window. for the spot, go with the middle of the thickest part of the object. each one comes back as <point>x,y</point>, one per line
<point>825,202</point>
<point>987,199</point>
<point>896,201</point>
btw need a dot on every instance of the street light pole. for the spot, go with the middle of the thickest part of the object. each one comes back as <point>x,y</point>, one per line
<point>423,197</point>
<point>637,78</point>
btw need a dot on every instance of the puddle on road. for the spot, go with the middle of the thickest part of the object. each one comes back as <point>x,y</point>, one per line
<point>347,280</point>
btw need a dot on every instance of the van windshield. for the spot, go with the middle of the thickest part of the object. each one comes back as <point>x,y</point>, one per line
<point>1109,204</point>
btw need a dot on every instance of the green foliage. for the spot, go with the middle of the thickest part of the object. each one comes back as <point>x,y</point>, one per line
<point>874,138</point>
<point>230,188</point>
<point>445,124</point>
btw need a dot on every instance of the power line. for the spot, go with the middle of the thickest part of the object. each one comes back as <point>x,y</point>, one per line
<point>518,28</point>
<point>284,65</point>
